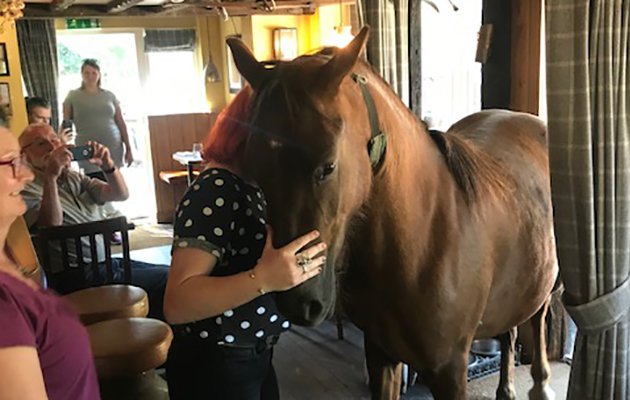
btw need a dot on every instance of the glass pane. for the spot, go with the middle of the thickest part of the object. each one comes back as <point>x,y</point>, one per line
<point>174,85</point>
<point>451,79</point>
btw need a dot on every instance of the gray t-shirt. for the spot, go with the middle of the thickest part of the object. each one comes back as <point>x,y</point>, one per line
<point>93,116</point>
<point>77,194</point>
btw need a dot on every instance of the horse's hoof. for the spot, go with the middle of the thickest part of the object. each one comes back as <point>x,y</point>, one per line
<point>544,393</point>
<point>506,392</point>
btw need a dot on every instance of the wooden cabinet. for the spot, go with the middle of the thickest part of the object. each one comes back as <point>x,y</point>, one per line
<point>169,134</point>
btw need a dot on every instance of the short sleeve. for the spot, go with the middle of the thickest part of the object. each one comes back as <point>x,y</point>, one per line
<point>113,98</point>
<point>32,196</point>
<point>92,186</point>
<point>205,216</point>
<point>69,99</point>
<point>16,330</point>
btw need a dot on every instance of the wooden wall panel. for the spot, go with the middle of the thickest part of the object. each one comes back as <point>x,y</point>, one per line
<point>525,80</point>
<point>169,134</point>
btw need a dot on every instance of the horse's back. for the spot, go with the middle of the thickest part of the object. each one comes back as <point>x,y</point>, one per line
<point>525,249</point>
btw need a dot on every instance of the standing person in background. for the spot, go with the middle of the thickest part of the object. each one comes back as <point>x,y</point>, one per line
<point>39,112</point>
<point>97,117</point>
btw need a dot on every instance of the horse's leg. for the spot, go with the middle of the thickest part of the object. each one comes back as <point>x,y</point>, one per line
<point>506,383</point>
<point>540,364</point>
<point>449,382</point>
<point>385,374</point>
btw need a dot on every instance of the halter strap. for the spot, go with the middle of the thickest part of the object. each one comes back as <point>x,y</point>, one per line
<point>377,146</point>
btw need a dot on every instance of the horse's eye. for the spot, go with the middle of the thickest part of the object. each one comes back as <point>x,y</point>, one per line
<point>324,171</point>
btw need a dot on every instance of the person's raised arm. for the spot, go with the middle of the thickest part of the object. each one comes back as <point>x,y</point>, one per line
<point>20,374</point>
<point>115,189</point>
<point>193,295</point>
<point>50,211</point>
<point>122,127</point>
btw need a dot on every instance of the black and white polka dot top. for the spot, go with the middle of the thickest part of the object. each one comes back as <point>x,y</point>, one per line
<point>223,215</point>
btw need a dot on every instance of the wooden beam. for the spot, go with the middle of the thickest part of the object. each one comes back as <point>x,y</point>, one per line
<point>293,7</point>
<point>118,6</point>
<point>415,58</point>
<point>60,5</point>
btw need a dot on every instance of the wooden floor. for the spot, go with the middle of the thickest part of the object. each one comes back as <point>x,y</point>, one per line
<point>312,364</point>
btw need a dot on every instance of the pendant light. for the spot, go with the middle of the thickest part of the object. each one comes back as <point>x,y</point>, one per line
<point>211,72</point>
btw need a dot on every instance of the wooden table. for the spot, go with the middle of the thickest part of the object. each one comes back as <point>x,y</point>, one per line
<point>160,255</point>
<point>188,159</point>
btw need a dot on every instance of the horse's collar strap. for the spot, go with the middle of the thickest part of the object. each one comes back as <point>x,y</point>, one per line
<point>377,145</point>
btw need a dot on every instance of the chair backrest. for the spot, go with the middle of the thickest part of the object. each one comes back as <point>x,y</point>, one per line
<point>71,235</point>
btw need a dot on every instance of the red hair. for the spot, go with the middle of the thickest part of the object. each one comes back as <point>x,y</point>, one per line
<point>226,142</point>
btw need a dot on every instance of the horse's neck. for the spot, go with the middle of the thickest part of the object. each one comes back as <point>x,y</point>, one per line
<point>414,184</point>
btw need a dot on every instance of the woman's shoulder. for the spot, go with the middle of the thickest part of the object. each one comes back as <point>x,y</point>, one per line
<point>73,94</point>
<point>220,178</point>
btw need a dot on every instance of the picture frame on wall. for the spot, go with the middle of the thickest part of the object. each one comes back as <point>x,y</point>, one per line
<point>235,80</point>
<point>5,98</point>
<point>4,61</point>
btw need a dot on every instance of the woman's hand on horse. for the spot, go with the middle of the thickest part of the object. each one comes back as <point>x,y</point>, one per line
<point>278,269</point>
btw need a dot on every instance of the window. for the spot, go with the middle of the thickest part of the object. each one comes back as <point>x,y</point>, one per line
<point>174,85</point>
<point>451,79</point>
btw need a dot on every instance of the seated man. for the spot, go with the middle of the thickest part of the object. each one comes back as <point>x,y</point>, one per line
<point>38,111</point>
<point>60,196</point>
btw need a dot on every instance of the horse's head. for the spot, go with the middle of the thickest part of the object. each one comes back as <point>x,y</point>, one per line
<point>307,151</point>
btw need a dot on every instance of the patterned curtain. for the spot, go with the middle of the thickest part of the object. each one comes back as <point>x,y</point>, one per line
<point>169,40</point>
<point>37,42</point>
<point>388,47</point>
<point>588,73</point>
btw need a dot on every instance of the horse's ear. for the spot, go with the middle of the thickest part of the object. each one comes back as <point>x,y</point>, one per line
<point>343,61</point>
<point>246,63</point>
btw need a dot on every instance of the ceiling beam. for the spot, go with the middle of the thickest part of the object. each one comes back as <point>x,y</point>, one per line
<point>204,7</point>
<point>61,5</point>
<point>118,6</point>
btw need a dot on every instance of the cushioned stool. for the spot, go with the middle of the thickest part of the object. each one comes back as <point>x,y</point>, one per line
<point>103,303</point>
<point>126,353</point>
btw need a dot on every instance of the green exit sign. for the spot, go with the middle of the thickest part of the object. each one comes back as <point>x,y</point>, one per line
<point>82,23</point>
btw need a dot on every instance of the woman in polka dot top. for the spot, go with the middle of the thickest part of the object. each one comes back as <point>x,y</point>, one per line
<point>223,268</point>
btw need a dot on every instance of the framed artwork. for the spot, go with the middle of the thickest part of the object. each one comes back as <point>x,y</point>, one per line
<point>235,80</point>
<point>5,98</point>
<point>4,62</point>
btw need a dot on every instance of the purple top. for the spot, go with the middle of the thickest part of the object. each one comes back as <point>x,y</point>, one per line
<point>43,320</point>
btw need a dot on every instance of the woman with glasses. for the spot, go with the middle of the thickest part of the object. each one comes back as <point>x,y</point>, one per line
<point>44,350</point>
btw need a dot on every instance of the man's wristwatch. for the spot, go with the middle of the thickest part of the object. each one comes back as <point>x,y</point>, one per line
<point>109,171</point>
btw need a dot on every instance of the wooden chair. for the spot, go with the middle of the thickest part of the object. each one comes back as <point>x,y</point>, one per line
<point>100,303</point>
<point>126,348</point>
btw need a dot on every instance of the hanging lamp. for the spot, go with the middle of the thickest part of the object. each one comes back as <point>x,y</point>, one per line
<point>211,72</point>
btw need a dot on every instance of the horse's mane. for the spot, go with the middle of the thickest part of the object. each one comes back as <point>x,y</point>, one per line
<point>475,172</point>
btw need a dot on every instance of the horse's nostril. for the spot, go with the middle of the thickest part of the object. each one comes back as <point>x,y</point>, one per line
<point>314,310</point>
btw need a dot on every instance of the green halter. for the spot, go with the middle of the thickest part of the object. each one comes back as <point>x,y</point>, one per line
<point>377,146</point>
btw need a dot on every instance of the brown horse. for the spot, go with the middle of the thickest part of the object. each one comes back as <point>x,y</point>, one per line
<point>436,242</point>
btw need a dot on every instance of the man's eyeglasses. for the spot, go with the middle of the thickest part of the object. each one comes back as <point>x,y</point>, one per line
<point>16,163</point>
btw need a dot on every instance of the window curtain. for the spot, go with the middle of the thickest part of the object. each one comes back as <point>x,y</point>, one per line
<point>157,40</point>
<point>588,73</point>
<point>37,43</point>
<point>388,46</point>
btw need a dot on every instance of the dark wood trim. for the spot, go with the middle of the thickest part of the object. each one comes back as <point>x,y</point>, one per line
<point>415,57</point>
<point>496,78</point>
<point>191,8</point>
<point>525,63</point>
<point>118,6</point>
<point>61,5</point>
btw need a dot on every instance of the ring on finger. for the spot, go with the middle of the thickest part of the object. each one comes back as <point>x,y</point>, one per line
<point>303,261</point>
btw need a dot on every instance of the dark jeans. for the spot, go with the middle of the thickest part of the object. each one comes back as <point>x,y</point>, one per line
<point>152,278</point>
<point>199,369</point>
